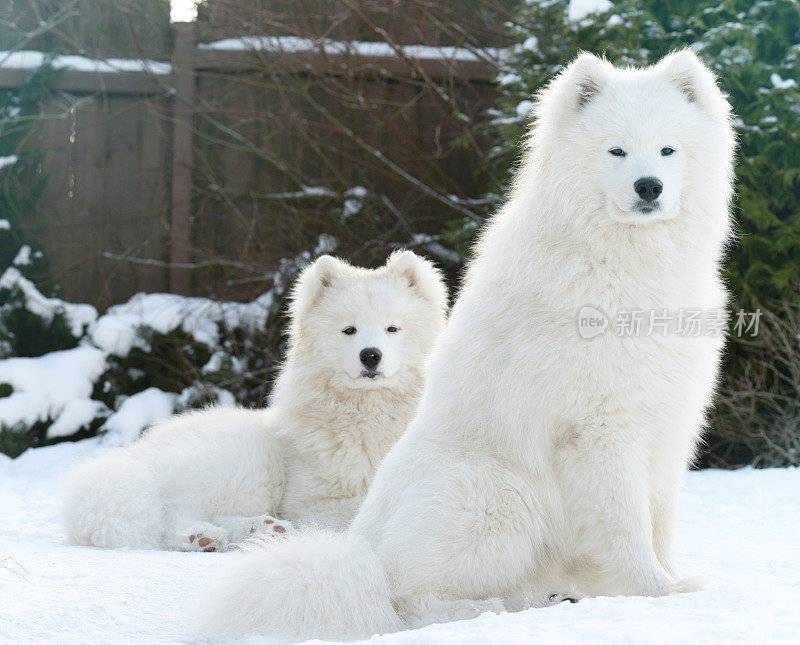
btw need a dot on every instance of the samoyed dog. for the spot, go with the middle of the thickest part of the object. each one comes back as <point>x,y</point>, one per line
<point>542,464</point>
<point>352,380</point>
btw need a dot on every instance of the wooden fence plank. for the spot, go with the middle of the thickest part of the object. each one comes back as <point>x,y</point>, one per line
<point>180,239</point>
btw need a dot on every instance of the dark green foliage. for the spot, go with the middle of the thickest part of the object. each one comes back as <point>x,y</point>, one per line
<point>171,363</point>
<point>16,440</point>
<point>23,333</point>
<point>175,362</point>
<point>22,183</point>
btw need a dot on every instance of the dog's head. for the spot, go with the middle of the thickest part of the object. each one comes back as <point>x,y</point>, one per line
<point>367,328</point>
<point>637,146</point>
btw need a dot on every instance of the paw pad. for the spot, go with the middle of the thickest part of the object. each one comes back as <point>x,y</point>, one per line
<point>557,598</point>
<point>267,526</point>
<point>202,541</point>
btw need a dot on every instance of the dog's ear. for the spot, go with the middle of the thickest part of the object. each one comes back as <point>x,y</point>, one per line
<point>421,275</point>
<point>571,90</point>
<point>694,80</point>
<point>311,284</point>
<point>587,75</point>
<point>575,86</point>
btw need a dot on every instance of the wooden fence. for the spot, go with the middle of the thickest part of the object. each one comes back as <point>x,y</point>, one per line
<point>162,182</point>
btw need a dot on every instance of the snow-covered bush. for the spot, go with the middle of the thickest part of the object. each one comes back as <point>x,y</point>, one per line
<point>138,363</point>
<point>32,324</point>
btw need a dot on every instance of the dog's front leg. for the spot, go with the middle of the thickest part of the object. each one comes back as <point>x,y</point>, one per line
<point>612,491</point>
<point>260,526</point>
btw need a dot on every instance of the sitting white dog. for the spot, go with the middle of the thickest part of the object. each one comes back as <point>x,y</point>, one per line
<point>354,372</point>
<point>541,460</point>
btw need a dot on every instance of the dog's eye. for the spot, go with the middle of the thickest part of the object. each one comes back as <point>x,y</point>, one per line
<point>349,331</point>
<point>617,152</point>
<point>392,329</point>
<point>666,152</point>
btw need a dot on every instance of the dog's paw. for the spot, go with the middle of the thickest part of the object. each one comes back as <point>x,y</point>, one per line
<point>208,539</point>
<point>493,605</point>
<point>268,526</point>
<point>688,585</point>
<point>558,598</point>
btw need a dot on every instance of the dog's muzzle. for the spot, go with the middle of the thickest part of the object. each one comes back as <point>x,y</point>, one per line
<point>647,207</point>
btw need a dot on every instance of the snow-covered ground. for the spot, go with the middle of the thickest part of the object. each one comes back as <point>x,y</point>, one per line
<point>741,529</point>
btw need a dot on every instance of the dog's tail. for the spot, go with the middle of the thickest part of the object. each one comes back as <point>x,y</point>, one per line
<point>323,585</point>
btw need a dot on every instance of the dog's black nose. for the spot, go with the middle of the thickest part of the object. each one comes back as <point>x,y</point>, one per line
<point>370,357</point>
<point>648,188</point>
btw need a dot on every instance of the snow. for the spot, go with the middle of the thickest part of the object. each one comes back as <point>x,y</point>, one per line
<point>8,161</point>
<point>78,315</point>
<point>76,414</point>
<point>116,331</point>
<point>353,203</point>
<point>296,44</point>
<point>183,11</point>
<point>432,246</point>
<point>739,528</point>
<point>316,191</point>
<point>23,256</point>
<point>358,192</point>
<point>325,244</point>
<point>351,207</point>
<point>35,59</point>
<point>189,396</point>
<point>218,360</point>
<point>136,413</point>
<point>580,9</point>
<point>782,84</point>
<point>507,78</point>
<point>531,44</point>
<point>305,191</point>
<point>524,108</point>
<point>43,386</point>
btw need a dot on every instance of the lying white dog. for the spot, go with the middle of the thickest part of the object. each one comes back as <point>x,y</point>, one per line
<point>543,461</point>
<point>359,343</point>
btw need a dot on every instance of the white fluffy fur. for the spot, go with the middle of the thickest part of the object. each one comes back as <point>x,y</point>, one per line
<point>346,579</point>
<point>311,456</point>
<point>541,462</point>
